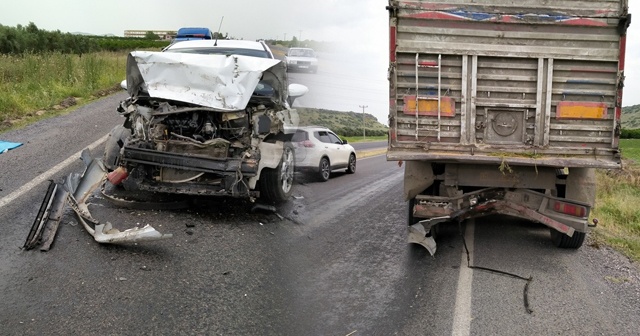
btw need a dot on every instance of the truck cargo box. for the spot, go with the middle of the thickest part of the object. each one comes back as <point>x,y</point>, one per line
<point>534,83</point>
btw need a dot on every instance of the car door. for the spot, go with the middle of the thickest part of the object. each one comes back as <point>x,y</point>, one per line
<point>328,147</point>
<point>341,154</point>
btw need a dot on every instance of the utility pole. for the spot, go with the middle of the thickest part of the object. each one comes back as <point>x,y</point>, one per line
<point>364,133</point>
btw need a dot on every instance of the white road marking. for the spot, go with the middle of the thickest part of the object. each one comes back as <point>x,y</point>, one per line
<point>462,312</point>
<point>48,174</point>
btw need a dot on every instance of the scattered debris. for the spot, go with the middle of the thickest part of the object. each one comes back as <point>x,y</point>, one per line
<point>74,192</point>
<point>258,206</point>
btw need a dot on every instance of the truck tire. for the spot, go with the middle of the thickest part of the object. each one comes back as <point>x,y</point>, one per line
<point>563,241</point>
<point>410,218</point>
<point>581,187</point>
<point>276,185</point>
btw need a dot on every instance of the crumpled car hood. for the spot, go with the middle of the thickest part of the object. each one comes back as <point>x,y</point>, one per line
<point>217,81</point>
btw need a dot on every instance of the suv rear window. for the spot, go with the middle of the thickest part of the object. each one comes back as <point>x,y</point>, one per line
<point>299,136</point>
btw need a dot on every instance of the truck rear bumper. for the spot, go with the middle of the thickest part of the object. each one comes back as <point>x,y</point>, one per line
<point>566,157</point>
<point>563,215</point>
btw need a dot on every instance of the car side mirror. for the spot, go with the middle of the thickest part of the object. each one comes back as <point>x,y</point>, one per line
<point>296,91</point>
<point>344,141</point>
<point>123,84</point>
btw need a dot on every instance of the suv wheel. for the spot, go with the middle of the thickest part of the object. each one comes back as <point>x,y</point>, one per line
<point>351,168</point>
<point>325,169</point>
<point>276,185</point>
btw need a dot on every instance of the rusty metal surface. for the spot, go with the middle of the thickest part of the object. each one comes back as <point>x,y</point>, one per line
<point>507,67</point>
<point>520,203</point>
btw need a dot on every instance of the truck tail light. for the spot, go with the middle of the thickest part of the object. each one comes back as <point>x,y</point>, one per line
<point>570,209</point>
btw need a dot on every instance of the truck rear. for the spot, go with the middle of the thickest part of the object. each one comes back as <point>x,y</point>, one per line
<point>505,108</point>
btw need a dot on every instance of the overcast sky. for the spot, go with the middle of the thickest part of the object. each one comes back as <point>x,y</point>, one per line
<point>360,23</point>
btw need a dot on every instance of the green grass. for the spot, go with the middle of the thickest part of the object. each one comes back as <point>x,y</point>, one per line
<point>631,149</point>
<point>617,202</point>
<point>35,82</point>
<point>353,139</point>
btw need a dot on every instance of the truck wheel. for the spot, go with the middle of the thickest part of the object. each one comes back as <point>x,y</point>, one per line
<point>351,168</point>
<point>410,218</point>
<point>324,169</point>
<point>563,241</point>
<point>276,184</point>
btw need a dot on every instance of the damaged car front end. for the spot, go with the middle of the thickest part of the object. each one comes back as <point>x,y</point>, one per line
<point>197,125</point>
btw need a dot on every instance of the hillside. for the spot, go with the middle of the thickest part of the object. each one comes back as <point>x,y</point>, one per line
<point>631,117</point>
<point>343,123</point>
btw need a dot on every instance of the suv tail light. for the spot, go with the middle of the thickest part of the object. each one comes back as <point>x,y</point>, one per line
<point>308,144</point>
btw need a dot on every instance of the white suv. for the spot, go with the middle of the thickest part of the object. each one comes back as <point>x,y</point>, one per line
<point>319,151</point>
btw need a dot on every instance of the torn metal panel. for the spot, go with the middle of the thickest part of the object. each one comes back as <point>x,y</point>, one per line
<point>217,81</point>
<point>45,226</point>
<point>75,191</point>
<point>92,178</point>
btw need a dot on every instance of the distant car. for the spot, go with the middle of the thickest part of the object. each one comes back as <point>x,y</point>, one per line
<point>302,59</point>
<point>193,33</point>
<point>318,151</point>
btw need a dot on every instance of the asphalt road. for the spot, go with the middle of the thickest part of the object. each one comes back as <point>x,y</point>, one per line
<point>337,264</point>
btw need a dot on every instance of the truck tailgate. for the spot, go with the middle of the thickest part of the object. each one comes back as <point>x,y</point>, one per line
<point>488,81</point>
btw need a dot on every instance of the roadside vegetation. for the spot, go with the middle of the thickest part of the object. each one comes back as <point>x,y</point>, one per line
<point>345,124</point>
<point>44,72</point>
<point>617,202</point>
<point>33,85</point>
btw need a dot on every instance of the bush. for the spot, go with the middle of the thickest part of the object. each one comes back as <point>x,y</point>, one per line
<point>630,134</point>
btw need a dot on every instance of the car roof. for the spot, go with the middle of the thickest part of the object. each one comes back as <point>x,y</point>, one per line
<point>310,128</point>
<point>193,44</point>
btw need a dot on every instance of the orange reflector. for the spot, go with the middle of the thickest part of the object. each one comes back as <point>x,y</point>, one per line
<point>428,106</point>
<point>570,209</point>
<point>581,110</point>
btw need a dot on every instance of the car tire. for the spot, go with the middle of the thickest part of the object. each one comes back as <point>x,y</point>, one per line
<point>276,185</point>
<point>324,170</point>
<point>561,240</point>
<point>351,167</point>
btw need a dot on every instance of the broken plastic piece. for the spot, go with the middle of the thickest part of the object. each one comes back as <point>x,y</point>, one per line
<point>418,235</point>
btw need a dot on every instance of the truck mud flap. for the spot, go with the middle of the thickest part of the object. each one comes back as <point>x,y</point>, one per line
<point>74,192</point>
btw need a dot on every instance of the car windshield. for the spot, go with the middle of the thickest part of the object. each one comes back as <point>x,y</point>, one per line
<point>222,51</point>
<point>301,53</point>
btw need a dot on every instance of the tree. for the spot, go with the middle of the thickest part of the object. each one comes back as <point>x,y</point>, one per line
<point>151,36</point>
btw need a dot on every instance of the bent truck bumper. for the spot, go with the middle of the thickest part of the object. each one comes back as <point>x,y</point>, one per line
<point>522,203</point>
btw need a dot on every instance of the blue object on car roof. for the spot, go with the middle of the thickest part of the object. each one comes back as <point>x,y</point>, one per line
<point>193,33</point>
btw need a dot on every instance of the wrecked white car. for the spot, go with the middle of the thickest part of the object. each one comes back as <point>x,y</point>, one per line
<point>194,124</point>
<point>215,127</point>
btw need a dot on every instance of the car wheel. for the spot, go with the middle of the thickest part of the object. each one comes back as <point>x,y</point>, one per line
<point>276,184</point>
<point>325,169</point>
<point>563,241</point>
<point>351,168</point>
